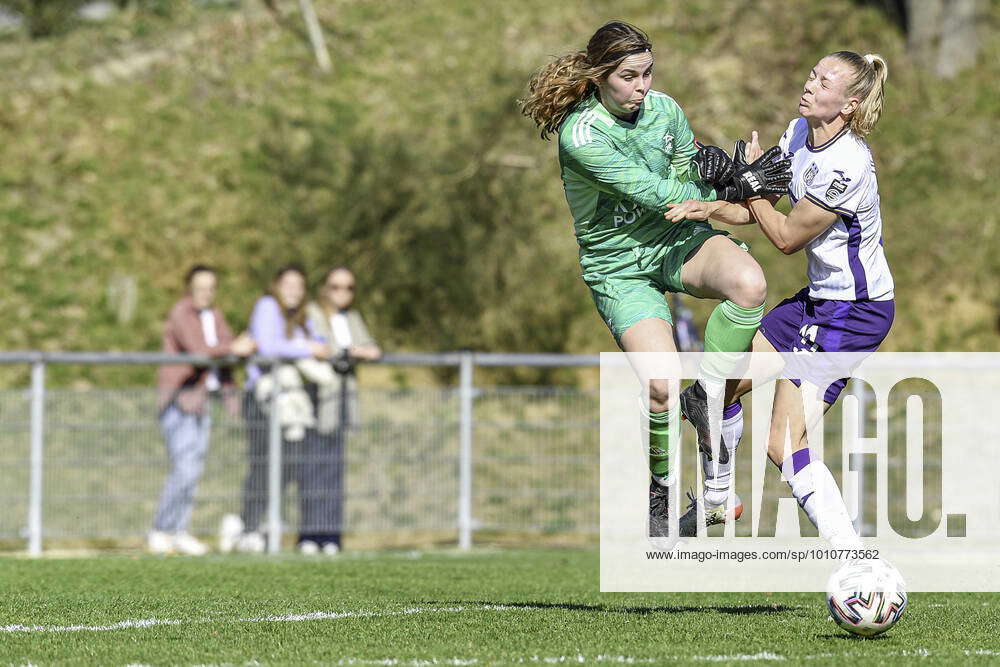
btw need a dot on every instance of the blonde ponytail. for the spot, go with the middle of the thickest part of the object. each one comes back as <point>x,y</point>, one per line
<point>870,109</point>
<point>871,73</point>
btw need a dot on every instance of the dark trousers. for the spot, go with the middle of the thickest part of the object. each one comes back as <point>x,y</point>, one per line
<point>315,464</point>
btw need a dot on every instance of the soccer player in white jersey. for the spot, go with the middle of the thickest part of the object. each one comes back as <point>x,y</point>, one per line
<point>848,304</point>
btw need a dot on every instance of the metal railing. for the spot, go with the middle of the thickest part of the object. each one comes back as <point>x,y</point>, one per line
<point>466,391</point>
<point>463,458</point>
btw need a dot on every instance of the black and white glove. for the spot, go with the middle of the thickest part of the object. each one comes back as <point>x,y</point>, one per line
<point>714,165</point>
<point>740,153</point>
<point>764,176</point>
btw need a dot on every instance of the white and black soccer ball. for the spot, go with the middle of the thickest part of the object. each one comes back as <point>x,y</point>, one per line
<point>866,597</point>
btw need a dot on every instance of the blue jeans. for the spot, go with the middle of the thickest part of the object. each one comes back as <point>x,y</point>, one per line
<point>186,436</point>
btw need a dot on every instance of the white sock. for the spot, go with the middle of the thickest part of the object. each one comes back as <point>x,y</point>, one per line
<point>818,495</point>
<point>719,476</point>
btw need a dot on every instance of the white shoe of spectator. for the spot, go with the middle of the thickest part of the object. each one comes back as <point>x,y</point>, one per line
<point>230,530</point>
<point>251,543</point>
<point>159,543</point>
<point>308,548</point>
<point>331,549</point>
<point>189,546</point>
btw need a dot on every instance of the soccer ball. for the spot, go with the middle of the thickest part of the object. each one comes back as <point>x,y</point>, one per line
<point>866,597</point>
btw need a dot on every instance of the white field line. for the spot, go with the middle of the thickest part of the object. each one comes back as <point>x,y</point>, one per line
<point>739,657</point>
<point>768,656</point>
<point>576,659</point>
<point>764,656</point>
<point>122,625</point>
<point>911,653</point>
<point>580,658</point>
<point>311,616</point>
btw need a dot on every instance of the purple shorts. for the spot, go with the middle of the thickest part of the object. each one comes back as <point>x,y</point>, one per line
<point>803,326</point>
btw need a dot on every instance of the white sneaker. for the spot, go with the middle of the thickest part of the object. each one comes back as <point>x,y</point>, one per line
<point>714,514</point>
<point>331,549</point>
<point>308,548</point>
<point>230,530</point>
<point>251,543</point>
<point>159,543</point>
<point>189,545</point>
<point>721,513</point>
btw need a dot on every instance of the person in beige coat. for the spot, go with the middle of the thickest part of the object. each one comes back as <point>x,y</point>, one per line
<point>333,318</point>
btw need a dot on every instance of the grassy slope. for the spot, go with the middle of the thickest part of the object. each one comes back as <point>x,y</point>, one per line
<point>107,186</point>
<point>543,617</point>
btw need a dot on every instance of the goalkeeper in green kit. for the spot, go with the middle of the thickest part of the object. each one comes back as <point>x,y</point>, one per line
<point>626,152</point>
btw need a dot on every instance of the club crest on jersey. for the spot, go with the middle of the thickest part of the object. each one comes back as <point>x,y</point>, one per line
<point>668,142</point>
<point>838,187</point>
<point>810,174</point>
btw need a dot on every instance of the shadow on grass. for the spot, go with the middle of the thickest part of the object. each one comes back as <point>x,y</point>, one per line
<point>846,636</point>
<point>734,609</point>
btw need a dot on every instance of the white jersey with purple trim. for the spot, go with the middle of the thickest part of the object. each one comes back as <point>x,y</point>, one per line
<point>847,261</point>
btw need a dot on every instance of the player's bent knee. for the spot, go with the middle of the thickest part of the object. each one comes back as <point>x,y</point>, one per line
<point>750,289</point>
<point>659,395</point>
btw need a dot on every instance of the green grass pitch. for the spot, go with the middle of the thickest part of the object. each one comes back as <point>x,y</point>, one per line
<point>482,608</point>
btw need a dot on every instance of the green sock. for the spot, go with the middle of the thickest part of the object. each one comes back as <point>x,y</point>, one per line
<point>728,334</point>
<point>659,441</point>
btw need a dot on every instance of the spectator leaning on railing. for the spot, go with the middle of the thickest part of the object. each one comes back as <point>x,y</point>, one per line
<point>278,326</point>
<point>194,326</point>
<point>333,318</point>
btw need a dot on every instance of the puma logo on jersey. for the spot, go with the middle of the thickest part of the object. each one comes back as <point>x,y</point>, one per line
<point>625,214</point>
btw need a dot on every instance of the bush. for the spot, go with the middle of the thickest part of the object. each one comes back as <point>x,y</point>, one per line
<point>44,18</point>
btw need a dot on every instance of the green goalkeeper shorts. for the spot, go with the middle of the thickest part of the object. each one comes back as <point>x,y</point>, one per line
<point>627,285</point>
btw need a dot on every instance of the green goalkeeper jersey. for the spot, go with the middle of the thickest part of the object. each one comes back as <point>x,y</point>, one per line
<point>620,176</point>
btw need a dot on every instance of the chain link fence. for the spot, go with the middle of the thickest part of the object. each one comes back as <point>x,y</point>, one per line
<point>87,466</point>
<point>422,465</point>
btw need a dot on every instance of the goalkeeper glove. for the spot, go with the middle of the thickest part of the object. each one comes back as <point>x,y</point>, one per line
<point>764,176</point>
<point>714,165</point>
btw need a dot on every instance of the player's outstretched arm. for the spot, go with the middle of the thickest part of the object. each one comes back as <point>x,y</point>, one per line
<point>791,233</point>
<point>613,172</point>
<point>692,209</point>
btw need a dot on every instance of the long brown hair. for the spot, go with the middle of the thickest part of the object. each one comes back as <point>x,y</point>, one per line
<point>868,85</point>
<point>554,90</point>
<point>294,317</point>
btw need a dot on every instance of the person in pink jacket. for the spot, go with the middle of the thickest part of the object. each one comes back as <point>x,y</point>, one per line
<point>195,326</point>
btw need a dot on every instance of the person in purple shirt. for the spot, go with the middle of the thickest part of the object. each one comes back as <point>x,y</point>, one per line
<point>279,326</point>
